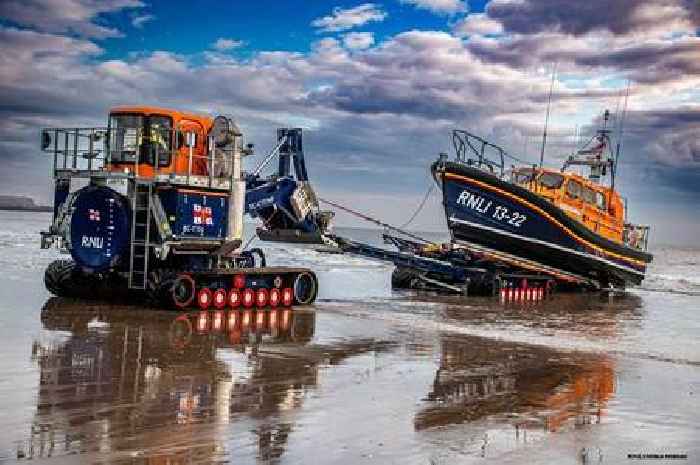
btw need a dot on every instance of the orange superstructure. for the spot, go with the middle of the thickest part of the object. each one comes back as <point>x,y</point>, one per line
<point>598,207</point>
<point>149,140</point>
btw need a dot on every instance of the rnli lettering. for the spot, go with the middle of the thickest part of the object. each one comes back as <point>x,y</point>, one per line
<point>483,206</point>
<point>92,242</point>
<point>474,202</point>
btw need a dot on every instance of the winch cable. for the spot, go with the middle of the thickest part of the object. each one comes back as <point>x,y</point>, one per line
<point>376,221</point>
<point>420,206</point>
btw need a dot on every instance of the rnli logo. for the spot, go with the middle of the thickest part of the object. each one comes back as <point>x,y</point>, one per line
<point>92,242</point>
<point>202,215</point>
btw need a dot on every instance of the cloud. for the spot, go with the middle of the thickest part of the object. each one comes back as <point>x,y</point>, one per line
<point>439,6</point>
<point>139,20</point>
<point>223,44</point>
<point>343,19</point>
<point>477,24</point>
<point>358,40</point>
<point>582,17</point>
<point>66,16</point>
<point>373,110</point>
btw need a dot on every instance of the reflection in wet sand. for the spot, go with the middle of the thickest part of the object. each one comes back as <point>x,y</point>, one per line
<point>534,387</point>
<point>156,386</point>
<point>412,383</point>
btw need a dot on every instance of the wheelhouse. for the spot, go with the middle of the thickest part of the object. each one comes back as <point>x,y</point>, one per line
<point>596,206</point>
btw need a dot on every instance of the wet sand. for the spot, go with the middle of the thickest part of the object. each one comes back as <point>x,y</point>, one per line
<point>377,377</point>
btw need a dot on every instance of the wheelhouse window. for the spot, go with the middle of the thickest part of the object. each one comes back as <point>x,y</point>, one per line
<point>588,195</point>
<point>146,139</point>
<point>551,180</point>
<point>600,200</point>
<point>573,189</point>
<point>523,176</point>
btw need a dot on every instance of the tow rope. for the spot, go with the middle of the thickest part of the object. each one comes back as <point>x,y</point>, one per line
<point>375,221</point>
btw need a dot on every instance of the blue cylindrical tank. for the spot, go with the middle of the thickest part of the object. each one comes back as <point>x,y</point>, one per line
<point>99,228</point>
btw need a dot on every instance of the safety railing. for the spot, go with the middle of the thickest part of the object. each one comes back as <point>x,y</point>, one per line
<point>476,151</point>
<point>162,154</point>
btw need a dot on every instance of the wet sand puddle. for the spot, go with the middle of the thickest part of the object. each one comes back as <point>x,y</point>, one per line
<point>118,384</point>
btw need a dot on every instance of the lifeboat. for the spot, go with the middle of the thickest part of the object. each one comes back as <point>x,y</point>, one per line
<point>553,218</point>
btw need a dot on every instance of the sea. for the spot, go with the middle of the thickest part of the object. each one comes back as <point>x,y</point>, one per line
<point>365,375</point>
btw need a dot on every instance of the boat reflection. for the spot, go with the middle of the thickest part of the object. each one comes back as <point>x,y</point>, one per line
<point>121,384</point>
<point>528,386</point>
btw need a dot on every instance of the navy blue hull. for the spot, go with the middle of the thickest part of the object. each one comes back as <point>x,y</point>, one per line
<point>481,209</point>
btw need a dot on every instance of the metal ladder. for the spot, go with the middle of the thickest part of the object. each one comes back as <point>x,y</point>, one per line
<point>140,235</point>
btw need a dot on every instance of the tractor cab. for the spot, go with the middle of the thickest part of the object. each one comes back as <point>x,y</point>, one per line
<point>149,141</point>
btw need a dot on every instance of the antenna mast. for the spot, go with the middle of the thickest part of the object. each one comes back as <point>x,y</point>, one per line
<point>619,137</point>
<point>546,120</point>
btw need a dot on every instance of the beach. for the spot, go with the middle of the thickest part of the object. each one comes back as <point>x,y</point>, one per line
<point>365,375</point>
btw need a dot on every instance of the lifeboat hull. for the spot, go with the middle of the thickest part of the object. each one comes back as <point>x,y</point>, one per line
<point>483,210</point>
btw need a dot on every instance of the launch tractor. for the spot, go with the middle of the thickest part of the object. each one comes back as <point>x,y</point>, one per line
<point>153,204</point>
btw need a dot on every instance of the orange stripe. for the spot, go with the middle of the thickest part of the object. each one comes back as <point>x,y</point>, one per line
<point>545,214</point>
<point>208,194</point>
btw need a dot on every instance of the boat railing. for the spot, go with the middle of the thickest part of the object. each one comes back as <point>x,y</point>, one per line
<point>161,154</point>
<point>476,151</point>
<point>636,236</point>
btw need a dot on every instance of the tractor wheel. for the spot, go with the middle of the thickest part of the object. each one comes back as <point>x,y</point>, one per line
<point>160,285</point>
<point>64,279</point>
<point>402,278</point>
<point>57,277</point>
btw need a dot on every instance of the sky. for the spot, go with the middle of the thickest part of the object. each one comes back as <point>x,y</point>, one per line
<point>376,86</point>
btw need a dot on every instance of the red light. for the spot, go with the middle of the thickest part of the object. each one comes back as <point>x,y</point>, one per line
<point>219,298</point>
<point>287,296</point>
<point>234,298</point>
<point>248,297</point>
<point>275,297</point>
<point>260,320</point>
<point>261,297</point>
<point>239,281</point>
<point>204,298</point>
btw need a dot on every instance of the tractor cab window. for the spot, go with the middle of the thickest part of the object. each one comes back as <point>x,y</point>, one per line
<point>126,134</point>
<point>159,139</point>
<point>551,180</point>
<point>142,139</point>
